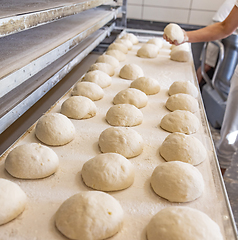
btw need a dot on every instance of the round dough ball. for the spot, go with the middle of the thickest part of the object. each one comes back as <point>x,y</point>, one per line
<point>182,101</point>
<point>177,181</point>
<point>147,85</point>
<point>78,107</point>
<point>156,41</point>
<point>184,46</point>
<point>183,87</point>
<point>118,46</point>
<point>55,129</point>
<point>174,32</point>
<point>88,89</point>
<point>125,42</point>
<point>108,172</point>
<point>120,56</point>
<point>108,59</point>
<point>104,67</point>
<point>180,121</point>
<point>131,72</point>
<point>89,216</point>
<point>184,148</point>
<point>12,201</point>
<point>132,37</point>
<point>182,223</point>
<point>124,141</point>
<point>148,51</point>
<point>31,161</point>
<point>125,115</point>
<point>131,96</point>
<point>180,55</point>
<point>100,78</point>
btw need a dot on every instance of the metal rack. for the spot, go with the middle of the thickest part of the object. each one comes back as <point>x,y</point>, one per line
<point>34,35</point>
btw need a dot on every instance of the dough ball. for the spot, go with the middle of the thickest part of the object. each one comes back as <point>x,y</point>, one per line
<point>108,172</point>
<point>131,72</point>
<point>125,115</point>
<point>131,96</point>
<point>180,55</point>
<point>124,141</point>
<point>104,67</point>
<point>182,223</point>
<point>12,201</point>
<point>156,41</point>
<point>89,90</point>
<point>120,56</point>
<point>132,37</point>
<point>89,216</point>
<point>180,121</point>
<point>31,161</point>
<point>147,85</point>
<point>177,181</point>
<point>125,42</point>
<point>55,129</point>
<point>174,32</point>
<point>148,51</point>
<point>78,107</point>
<point>184,46</point>
<point>100,78</point>
<point>108,59</point>
<point>184,148</point>
<point>182,101</point>
<point>118,46</point>
<point>183,87</point>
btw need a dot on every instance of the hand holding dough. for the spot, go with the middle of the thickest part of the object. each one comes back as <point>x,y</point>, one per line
<point>174,34</point>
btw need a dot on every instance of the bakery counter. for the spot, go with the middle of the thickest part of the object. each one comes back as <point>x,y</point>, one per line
<point>139,201</point>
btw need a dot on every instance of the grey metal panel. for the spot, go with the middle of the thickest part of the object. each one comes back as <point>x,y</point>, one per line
<point>26,100</point>
<point>16,16</point>
<point>25,54</point>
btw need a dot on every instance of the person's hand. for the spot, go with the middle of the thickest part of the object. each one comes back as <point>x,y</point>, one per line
<point>175,42</point>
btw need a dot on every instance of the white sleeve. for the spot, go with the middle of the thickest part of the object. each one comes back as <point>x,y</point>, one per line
<point>237,3</point>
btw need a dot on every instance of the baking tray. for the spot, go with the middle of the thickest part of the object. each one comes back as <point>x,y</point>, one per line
<point>139,201</point>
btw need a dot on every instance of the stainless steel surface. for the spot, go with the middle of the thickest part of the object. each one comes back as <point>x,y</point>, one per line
<point>41,83</point>
<point>16,16</point>
<point>25,54</point>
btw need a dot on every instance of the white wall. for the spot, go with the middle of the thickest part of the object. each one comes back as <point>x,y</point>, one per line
<point>196,12</point>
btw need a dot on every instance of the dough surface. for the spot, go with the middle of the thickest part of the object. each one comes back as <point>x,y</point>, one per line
<point>108,172</point>
<point>31,161</point>
<point>122,140</point>
<point>132,37</point>
<point>148,51</point>
<point>174,32</point>
<point>89,216</point>
<point>183,223</point>
<point>157,41</point>
<point>118,46</point>
<point>12,201</point>
<point>100,78</point>
<point>183,87</point>
<point>104,67</point>
<point>120,56</point>
<point>108,59</point>
<point>184,148</point>
<point>131,72</point>
<point>88,89</point>
<point>131,96</point>
<point>180,55</point>
<point>125,115</point>
<point>125,42</point>
<point>147,85</point>
<point>180,121</point>
<point>177,181</point>
<point>55,129</point>
<point>182,101</point>
<point>78,107</point>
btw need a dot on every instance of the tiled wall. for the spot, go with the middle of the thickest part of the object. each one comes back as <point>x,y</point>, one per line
<point>196,12</point>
